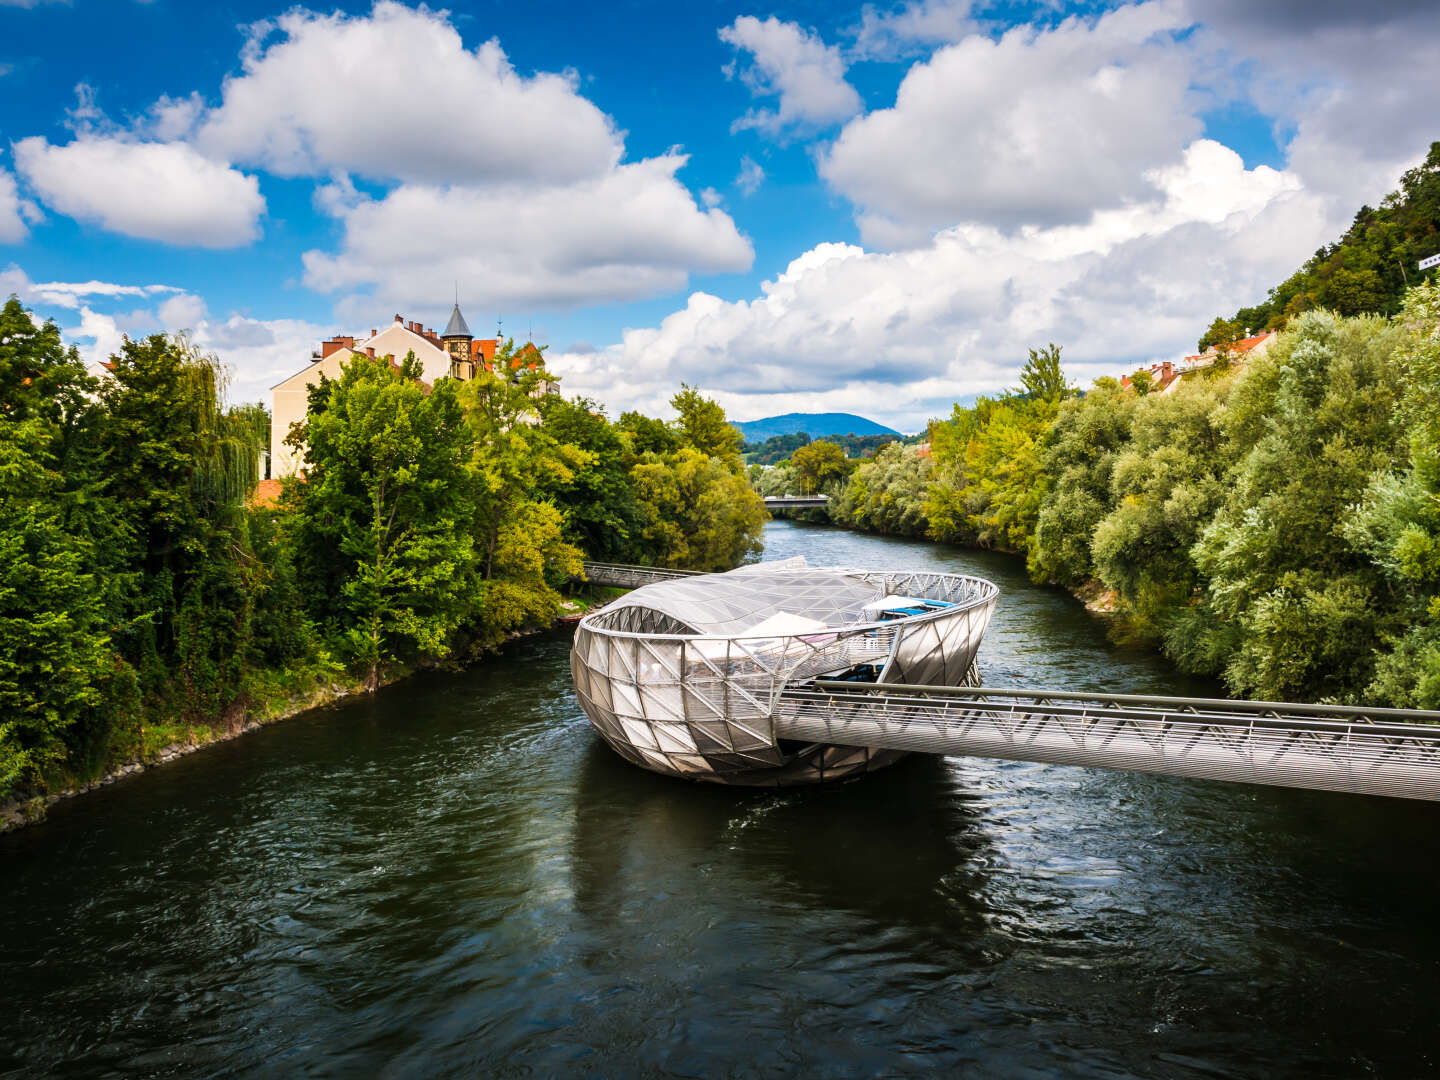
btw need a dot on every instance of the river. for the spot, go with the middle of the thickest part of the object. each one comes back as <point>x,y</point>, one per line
<point>456,878</point>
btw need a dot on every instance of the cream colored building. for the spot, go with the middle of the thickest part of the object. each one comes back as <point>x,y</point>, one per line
<point>453,352</point>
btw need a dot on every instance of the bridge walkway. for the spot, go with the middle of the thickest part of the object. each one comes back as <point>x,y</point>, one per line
<point>1363,750</point>
<point>1369,751</point>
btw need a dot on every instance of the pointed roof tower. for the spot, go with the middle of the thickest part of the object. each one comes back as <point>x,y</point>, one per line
<point>456,327</point>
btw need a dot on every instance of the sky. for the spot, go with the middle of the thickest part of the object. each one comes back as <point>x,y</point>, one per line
<point>875,208</point>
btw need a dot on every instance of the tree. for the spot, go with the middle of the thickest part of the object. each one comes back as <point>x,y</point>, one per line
<point>818,464</point>
<point>703,426</point>
<point>1290,609</point>
<point>179,467</point>
<point>1078,456</point>
<point>1041,377</point>
<point>647,435</point>
<point>390,501</point>
<point>1166,483</point>
<point>1397,525</point>
<point>596,499</point>
<point>887,493</point>
<point>60,679</point>
<point>698,512</point>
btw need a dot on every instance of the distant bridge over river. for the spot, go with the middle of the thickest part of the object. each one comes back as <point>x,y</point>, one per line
<point>1373,751</point>
<point>797,502</point>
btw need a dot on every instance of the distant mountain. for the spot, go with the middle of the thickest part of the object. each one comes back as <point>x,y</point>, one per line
<point>815,424</point>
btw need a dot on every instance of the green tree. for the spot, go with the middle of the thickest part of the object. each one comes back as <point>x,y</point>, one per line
<point>1041,377</point>
<point>887,493</point>
<point>698,512</point>
<point>598,503</point>
<point>60,678</point>
<point>818,464</point>
<point>1078,457</point>
<point>646,435</point>
<point>390,500</point>
<point>1290,608</point>
<point>1397,524</point>
<point>703,426</point>
<point>179,467</point>
<point>1166,482</point>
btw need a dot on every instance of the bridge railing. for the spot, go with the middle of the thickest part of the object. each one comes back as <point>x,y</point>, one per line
<point>797,502</point>
<point>625,576</point>
<point>1339,748</point>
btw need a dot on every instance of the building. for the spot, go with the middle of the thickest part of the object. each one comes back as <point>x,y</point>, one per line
<point>1166,376</point>
<point>452,353</point>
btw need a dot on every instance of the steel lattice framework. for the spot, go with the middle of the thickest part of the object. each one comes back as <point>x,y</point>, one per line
<point>1330,747</point>
<point>682,676</point>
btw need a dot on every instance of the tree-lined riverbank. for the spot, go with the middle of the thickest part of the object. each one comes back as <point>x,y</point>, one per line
<point>1275,525</point>
<point>145,603</point>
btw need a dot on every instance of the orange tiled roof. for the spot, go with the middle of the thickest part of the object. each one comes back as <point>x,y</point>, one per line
<point>1244,345</point>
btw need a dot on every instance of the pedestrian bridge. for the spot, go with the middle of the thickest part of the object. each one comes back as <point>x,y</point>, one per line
<point>797,502</point>
<point>755,701</point>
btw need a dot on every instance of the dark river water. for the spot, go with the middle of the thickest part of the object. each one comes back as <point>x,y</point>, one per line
<point>457,878</point>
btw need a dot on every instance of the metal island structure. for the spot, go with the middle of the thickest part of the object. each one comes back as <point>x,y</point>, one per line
<point>781,673</point>
<point>684,676</point>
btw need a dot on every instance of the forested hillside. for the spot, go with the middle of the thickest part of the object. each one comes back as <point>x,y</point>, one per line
<point>143,601</point>
<point>816,424</point>
<point>1366,271</point>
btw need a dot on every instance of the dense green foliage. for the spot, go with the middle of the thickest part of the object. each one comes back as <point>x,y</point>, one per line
<point>1366,271</point>
<point>778,448</point>
<point>887,494</point>
<point>1274,524</point>
<point>142,599</point>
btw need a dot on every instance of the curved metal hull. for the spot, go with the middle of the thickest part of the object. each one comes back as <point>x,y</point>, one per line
<point>703,707</point>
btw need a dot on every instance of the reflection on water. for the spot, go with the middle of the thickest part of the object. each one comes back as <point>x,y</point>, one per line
<point>456,878</point>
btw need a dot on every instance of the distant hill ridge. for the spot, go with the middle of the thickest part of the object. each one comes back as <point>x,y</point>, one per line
<point>815,425</point>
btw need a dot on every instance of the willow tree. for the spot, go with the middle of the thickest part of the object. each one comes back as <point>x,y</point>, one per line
<point>179,467</point>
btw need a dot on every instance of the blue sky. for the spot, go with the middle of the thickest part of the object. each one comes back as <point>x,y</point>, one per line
<point>804,206</point>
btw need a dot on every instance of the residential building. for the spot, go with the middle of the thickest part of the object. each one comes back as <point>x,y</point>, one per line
<point>453,353</point>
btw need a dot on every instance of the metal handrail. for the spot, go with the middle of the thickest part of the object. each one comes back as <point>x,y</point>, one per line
<point>1149,702</point>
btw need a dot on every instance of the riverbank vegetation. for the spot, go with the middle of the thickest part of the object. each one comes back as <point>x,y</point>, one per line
<point>143,598</point>
<point>1276,524</point>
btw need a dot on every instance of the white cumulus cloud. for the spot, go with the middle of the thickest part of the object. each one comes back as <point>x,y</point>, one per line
<point>634,231</point>
<point>1039,126</point>
<point>154,191</point>
<point>396,95</point>
<point>888,33</point>
<point>900,335</point>
<point>184,311</point>
<point>795,65</point>
<point>16,214</point>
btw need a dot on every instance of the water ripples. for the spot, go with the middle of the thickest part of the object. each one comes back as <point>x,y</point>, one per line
<point>457,878</point>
